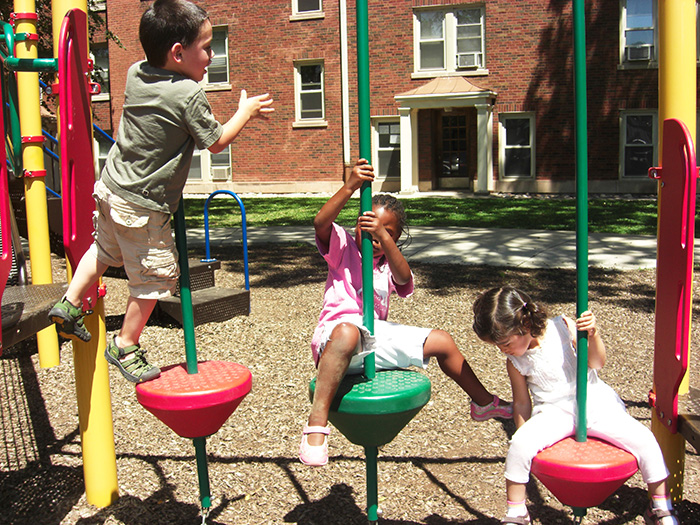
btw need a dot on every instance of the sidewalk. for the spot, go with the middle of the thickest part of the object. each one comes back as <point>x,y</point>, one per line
<point>513,248</point>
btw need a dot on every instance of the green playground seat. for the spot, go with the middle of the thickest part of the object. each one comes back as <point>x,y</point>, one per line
<point>371,412</point>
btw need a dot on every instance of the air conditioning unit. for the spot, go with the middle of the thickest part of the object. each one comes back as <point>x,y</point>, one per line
<point>639,53</point>
<point>468,60</point>
<point>220,173</point>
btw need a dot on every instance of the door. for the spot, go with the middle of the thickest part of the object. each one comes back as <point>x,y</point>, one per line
<point>455,166</point>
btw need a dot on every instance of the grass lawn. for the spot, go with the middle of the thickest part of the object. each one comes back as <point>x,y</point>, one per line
<point>622,216</point>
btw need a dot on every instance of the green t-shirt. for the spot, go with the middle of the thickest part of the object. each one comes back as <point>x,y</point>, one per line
<point>165,116</point>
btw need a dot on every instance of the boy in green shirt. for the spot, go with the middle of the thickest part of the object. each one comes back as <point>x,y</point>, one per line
<point>165,116</point>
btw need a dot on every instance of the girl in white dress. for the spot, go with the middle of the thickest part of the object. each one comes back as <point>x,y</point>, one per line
<point>541,363</point>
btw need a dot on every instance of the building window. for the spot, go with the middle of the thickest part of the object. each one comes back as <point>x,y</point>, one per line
<point>102,145</point>
<point>221,165</point>
<point>516,145</point>
<point>309,94</point>
<point>210,167</point>
<point>217,72</point>
<point>638,32</point>
<point>306,9</point>
<point>195,173</point>
<point>387,140</point>
<point>100,74</point>
<point>638,139</point>
<point>449,40</point>
<point>307,6</point>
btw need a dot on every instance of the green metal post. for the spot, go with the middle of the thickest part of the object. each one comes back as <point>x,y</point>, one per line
<point>581,211</point>
<point>372,490</point>
<point>185,292</point>
<point>200,445</point>
<point>365,138</point>
<point>14,132</point>
<point>366,153</point>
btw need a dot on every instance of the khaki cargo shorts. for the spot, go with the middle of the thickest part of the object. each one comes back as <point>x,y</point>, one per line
<point>139,239</point>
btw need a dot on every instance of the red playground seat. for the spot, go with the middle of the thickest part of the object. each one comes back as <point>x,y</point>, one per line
<point>196,405</point>
<point>583,474</point>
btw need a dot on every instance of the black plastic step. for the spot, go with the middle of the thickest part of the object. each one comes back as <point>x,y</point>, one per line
<point>201,274</point>
<point>211,305</point>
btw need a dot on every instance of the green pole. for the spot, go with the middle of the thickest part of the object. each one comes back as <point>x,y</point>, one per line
<point>581,212</point>
<point>365,138</point>
<point>31,64</point>
<point>200,445</point>
<point>372,490</point>
<point>366,153</point>
<point>366,190</point>
<point>185,292</point>
<point>14,134</point>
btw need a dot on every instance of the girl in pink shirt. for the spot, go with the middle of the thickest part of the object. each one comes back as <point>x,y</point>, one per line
<point>340,341</point>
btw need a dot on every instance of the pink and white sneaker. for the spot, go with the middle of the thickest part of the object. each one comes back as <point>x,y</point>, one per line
<point>496,408</point>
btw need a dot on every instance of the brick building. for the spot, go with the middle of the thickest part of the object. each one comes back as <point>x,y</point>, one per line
<point>465,95</point>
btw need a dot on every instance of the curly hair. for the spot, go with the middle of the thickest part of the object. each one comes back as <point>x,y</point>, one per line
<point>502,312</point>
<point>392,204</point>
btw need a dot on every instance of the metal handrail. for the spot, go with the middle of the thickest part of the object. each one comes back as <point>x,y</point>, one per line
<point>243,230</point>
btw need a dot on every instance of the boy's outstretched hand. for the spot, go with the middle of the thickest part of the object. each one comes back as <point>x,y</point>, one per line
<point>258,106</point>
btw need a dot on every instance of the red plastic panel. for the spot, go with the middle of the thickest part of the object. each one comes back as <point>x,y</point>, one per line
<point>6,255</point>
<point>75,129</point>
<point>196,405</point>
<point>583,474</point>
<point>674,268</point>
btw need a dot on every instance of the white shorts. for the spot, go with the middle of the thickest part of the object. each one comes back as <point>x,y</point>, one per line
<point>141,240</point>
<point>394,345</point>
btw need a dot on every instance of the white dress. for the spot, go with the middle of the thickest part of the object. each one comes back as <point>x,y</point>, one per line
<point>550,372</point>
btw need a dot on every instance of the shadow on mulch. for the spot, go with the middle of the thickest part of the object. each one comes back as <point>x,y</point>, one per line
<point>271,267</point>
<point>35,490</point>
<point>48,491</point>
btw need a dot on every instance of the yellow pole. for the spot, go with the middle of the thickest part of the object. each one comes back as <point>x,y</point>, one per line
<point>34,181</point>
<point>677,99</point>
<point>95,413</point>
<point>91,373</point>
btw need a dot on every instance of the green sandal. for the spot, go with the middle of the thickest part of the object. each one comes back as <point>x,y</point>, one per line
<point>69,320</point>
<point>135,369</point>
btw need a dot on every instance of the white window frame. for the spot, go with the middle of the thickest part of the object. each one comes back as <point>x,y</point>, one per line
<point>652,62</point>
<point>376,147</point>
<point>97,5</point>
<point>211,173</point>
<point>300,122</point>
<point>100,148</point>
<point>220,171</point>
<point>623,139</point>
<point>503,145</point>
<point>311,14</point>
<point>449,39</point>
<point>224,84</point>
<point>102,95</point>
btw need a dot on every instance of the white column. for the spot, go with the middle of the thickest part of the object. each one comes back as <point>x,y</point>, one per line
<point>484,125</point>
<point>345,104</point>
<point>409,151</point>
